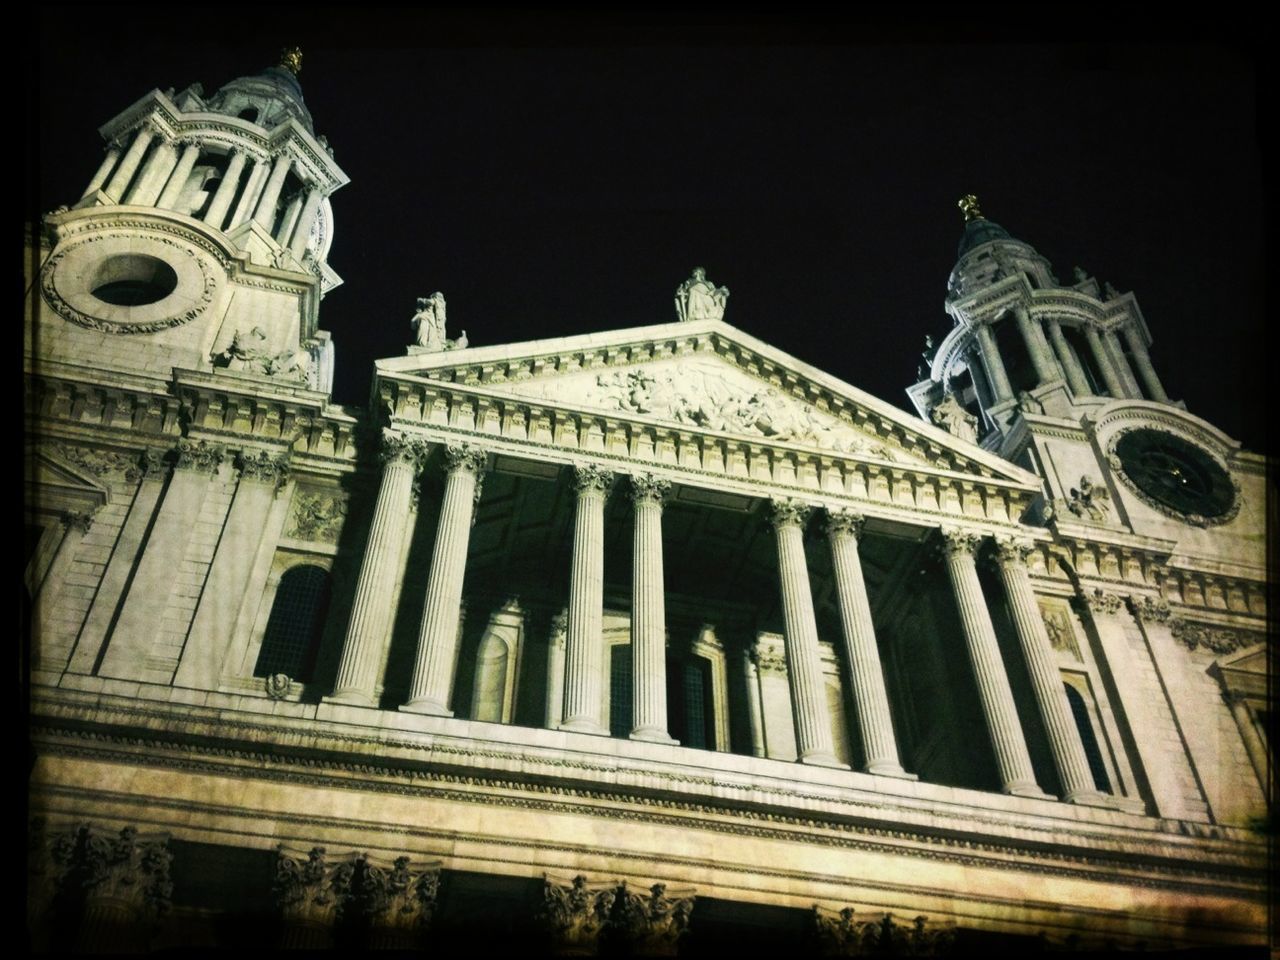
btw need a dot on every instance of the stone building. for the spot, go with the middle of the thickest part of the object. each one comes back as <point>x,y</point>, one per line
<point>639,640</point>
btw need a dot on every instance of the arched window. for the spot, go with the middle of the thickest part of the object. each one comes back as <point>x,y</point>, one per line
<point>1081,714</point>
<point>490,689</point>
<point>249,113</point>
<point>296,624</point>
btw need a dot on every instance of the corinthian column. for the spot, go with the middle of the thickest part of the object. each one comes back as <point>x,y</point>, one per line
<point>1064,739</point>
<point>648,613</point>
<point>217,211</point>
<point>1142,359</point>
<point>1115,387</point>
<point>178,179</point>
<point>994,363</point>
<point>1014,762</point>
<point>1067,358</point>
<point>438,636</point>
<point>860,650</point>
<point>99,178</point>
<point>371,612</point>
<point>1037,347</point>
<point>804,666</point>
<point>584,671</point>
<point>265,212</point>
<point>129,165</point>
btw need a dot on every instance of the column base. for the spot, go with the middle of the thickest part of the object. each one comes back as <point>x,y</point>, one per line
<point>889,770</point>
<point>1029,790</point>
<point>351,698</point>
<point>426,707</point>
<point>824,760</point>
<point>1091,798</point>
<point>653,736</point>
<point>584,726</point>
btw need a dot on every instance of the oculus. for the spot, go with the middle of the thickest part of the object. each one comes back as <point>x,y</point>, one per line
<point>1175,476</point>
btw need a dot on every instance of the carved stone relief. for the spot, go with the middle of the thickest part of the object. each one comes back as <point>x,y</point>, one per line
<point>102,463</point>
<point>1057,624</point>
<point>316,515</point>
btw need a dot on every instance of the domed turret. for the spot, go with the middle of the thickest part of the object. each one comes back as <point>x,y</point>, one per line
<point>268,98</point>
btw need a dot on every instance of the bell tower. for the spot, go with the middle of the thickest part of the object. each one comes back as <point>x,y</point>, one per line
<point>201,240</point>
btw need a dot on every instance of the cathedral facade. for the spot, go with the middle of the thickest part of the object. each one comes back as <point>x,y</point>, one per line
<point>645,640</point>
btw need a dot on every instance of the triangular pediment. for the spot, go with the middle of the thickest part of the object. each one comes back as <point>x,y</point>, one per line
<point>56,484</point>
<point>710,377</point>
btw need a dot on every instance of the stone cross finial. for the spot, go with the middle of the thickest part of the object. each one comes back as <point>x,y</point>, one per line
<point>969,204</point>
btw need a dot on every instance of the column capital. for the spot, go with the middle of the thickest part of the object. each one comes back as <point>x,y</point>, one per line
<point>788,513</point>
<point>559,628</point>
<point>462,457</point>
<point>649,489</point>
<point>1150,609</point>
<point>844,523</point>
<point>199,455</point>
<point>264,467</point>
<point>590,480</point>
<point>654,924</point>
<point>397,448</point>
<point>303,888</point>
<point>1013,551</point>
<point>121,866</point>
<point>954,542</point>
<point>1099,601</point>
<point>575,913</point>
<point>80,520</point>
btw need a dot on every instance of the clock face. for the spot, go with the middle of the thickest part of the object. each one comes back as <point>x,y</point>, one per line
<point>1176,474</point>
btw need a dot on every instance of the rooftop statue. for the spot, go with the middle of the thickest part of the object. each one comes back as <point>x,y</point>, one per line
<point>700,299</point>
<point>429,327</point>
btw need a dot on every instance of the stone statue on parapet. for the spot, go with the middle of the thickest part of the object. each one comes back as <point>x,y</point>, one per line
<point>700,299</point>
<point>955,419</point>
<point>429,327</point>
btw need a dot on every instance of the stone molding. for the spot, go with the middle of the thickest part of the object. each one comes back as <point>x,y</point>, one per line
<point>647,488</point>
<point>788,513</point>
<point>844,523</point>
<point>590,480</point>
<point>199,455</point>
<point>316,515</point>
<point>1150,609</point>
<point>304,888</point>
<point>579,914</point>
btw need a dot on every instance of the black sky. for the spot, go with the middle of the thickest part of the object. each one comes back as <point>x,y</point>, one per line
<point>556,175</point>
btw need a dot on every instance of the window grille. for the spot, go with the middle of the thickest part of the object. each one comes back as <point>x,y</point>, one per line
<point>296,624</point>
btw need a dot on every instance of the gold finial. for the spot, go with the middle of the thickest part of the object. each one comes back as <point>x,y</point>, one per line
<point>291,59</point>
<point>969,204</point>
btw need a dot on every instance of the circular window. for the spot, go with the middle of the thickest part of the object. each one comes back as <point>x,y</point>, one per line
<point>133,280</point>
<point>1176,475</point>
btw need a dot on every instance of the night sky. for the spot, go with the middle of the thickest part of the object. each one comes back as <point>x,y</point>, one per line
<point>555,176</point>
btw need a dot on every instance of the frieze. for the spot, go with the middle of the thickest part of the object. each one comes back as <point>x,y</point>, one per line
<point>316,516</point>
<point>1151,875</point>
<point>1057,624</point>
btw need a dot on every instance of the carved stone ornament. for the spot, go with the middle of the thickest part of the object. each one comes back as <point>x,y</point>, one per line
<point>1100,602</point>
<point>396,448</point>
<point>650,489</point>
<point>263,467</point>
<point>1057,624</point>
<point>124,867</point>
<point>1013,552</point>
<point>652,925</point>
<point>400,896</point>
<point>788,513</point>
<point>700,299</point>
<point>303,888</point>
<point>576,913</point>
<point>848,933</point>
<point>277,685</point>
<point>79,520</point>
<point>1089,501</point>
<point>1150,609</point>
<point>151,465</point>
<point>559,629</point>
<point>248,353</point>
<point>464,458</point>
<point>590,480</point>
<point>955,419</point>
<point>769,659</point>
<point>955,543</point>
<point>845,523</point>
<point>316,516</point>
<point>101,463</point>
<point>1219,640</point>
<point>199,455</point>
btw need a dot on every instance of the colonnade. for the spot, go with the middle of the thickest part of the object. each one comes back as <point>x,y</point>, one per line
<point>1053,358</point>
<point>576,703</point>
<point>159,181</point>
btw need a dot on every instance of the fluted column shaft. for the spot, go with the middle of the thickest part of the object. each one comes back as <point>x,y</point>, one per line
<point>584,669</point>
<point>1101,356</point>
<point>371,611</point>
<point>555,671</point>
<point>804,664</point>
<point>1037,347</point>
<point>1122,365</point>
<point>994,363</point>
<point>1064,738</point>
<point>104,170</point>
<point>302,232</point>
<point>265,212</point>
<point>1142,359</point>
<point>252,189</point>
<point>217,211</point>
<point>129,165</point>
<point>432,685</point>
<point>154,174</point>
<point>1007,739</point>
<point>290,216</point>
<point>178,179</point>
<point>648,613</point>
<point>870,699</point>
<point>1070,363</point>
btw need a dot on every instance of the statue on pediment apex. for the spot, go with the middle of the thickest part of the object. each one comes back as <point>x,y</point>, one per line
<point>700,299</point>
<point>429,327</point>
